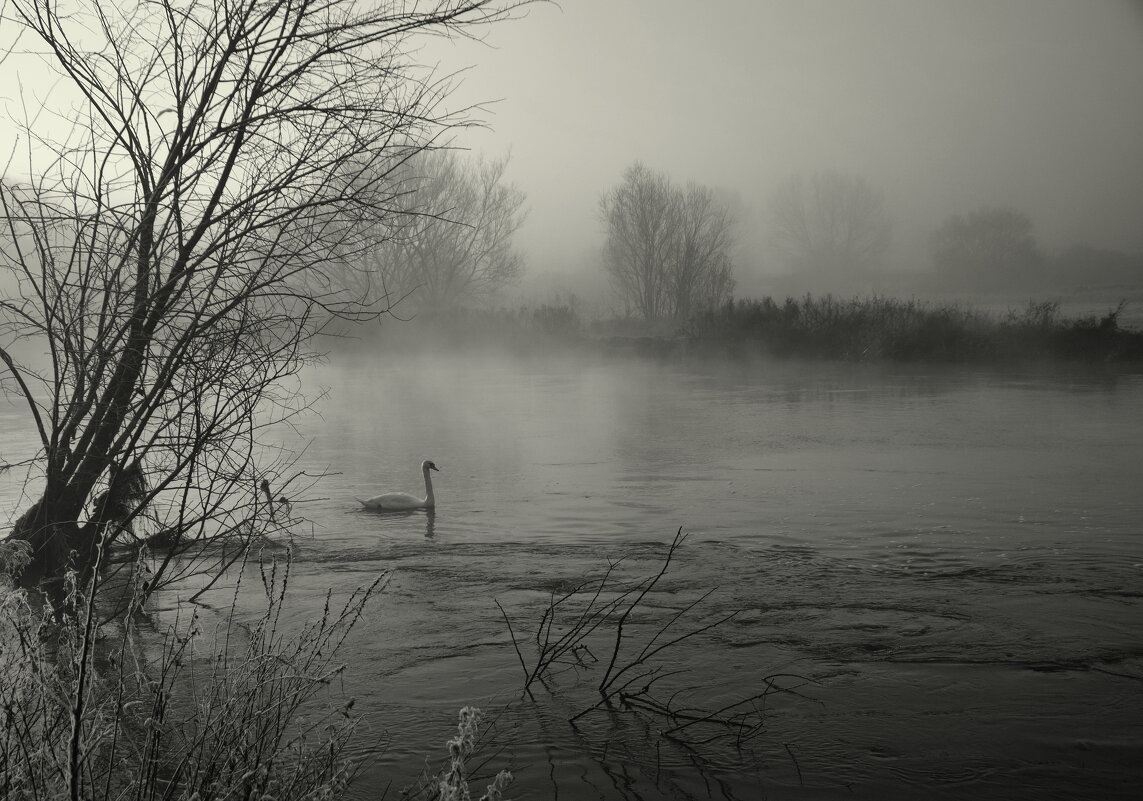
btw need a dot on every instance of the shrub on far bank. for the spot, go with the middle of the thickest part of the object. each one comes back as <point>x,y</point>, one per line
<point>879,328</point>
<point>561,321</point>
<point>811,327</point>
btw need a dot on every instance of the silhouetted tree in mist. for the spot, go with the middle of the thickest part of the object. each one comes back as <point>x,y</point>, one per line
<point>829,223</point>
<point>988,248</point>
<point>667,248</point>
<point>454,242</point>
<point>172,244</point>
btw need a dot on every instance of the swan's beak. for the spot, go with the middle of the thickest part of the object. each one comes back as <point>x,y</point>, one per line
<point>434,467</point>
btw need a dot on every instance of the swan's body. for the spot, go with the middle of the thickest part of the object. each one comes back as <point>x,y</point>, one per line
<point>401,501</point>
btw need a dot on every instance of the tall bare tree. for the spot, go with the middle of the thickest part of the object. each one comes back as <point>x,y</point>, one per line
<point>699,270</point>
<point>667,248</point>
<point>167,244</point>
<point>829,223</point>
<point>455,244</point>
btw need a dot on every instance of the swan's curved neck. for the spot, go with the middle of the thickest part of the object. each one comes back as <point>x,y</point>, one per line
<point>429,501</point>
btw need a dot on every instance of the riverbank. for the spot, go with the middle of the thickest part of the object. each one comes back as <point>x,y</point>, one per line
<point>889,329</point>
<point>869,329</point>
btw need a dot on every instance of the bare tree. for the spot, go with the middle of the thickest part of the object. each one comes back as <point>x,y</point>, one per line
<point>167,245</point>
<point>699,271</point>
<point>986,248</point>
<point>637,215</point>
<point>667,249</point>
<point>454,244</point>
<point>829,223</point>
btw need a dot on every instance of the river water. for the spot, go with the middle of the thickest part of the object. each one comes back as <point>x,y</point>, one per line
<point>946,563</point>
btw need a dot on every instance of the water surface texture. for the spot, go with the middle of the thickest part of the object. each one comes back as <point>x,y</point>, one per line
<point>953,557</point>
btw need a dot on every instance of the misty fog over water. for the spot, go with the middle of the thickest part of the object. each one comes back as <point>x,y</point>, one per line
<point>952,556</point>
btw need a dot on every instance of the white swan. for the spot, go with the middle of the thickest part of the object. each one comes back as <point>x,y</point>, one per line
<point>400,501</point>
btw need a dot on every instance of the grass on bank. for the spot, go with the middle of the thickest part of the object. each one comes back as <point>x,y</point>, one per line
<point>118,709</point>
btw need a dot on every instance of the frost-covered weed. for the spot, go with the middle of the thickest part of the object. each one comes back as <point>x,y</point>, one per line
<point>453,785</point>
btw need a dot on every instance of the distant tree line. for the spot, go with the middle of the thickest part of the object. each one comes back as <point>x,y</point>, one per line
<point>669,247</point>
<point>995,248</point>
<point>832,229</point>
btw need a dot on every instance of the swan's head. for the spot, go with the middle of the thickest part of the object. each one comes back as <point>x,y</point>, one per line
<point>427,465</point>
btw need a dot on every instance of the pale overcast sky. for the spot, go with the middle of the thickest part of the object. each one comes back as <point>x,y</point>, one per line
<point>946,105</point>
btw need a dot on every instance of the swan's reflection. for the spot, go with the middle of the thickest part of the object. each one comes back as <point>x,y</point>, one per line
<point>430,517</point>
